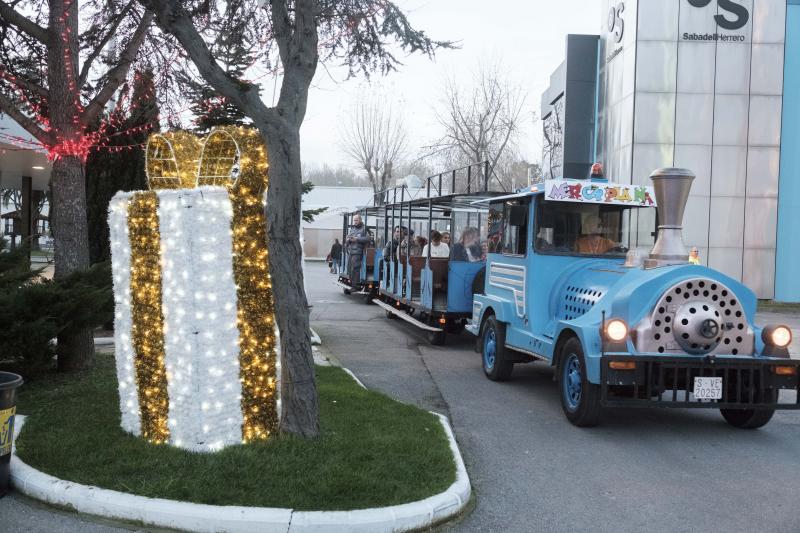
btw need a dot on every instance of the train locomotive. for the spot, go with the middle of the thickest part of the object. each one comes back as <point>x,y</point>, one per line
<point>563,284</point>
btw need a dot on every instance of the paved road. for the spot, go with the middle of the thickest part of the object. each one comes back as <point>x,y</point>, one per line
<point>533,471</point>
<point>530,469</point>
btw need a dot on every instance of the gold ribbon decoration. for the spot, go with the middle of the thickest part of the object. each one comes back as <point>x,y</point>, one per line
<point>148,319</point>
<point>237,158</point>
<point>171,160</point>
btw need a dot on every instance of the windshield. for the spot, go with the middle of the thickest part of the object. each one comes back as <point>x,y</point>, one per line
<point>589,229</point>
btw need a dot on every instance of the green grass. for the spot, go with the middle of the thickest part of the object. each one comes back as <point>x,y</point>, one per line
<point>373,451</point>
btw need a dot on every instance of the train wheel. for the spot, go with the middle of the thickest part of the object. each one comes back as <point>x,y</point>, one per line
<point>493,348</point>
<point>437,338</point>
<point>749,418</point>
<point>580,399</point>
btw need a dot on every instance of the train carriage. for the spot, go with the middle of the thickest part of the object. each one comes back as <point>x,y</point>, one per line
<point>361,274</point>
<point>435,293</point>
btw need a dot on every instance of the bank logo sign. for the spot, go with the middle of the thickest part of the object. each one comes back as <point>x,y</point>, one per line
<point>731,16</point>
<point>616,24</point>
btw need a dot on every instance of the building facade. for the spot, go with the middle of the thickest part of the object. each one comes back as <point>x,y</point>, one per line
<point>709,85</point>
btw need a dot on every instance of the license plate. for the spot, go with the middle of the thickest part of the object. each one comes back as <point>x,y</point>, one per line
<point>708,388</point>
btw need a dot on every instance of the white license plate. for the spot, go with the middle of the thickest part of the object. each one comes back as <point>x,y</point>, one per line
<point>708,388</point>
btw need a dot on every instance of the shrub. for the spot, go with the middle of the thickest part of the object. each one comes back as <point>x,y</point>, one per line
<point>33,311</point>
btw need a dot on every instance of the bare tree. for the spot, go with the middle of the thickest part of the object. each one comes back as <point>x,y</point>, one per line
<point>480,122</point>
<point>58,99</point>
<point>375,138</point>
<point>360,34</point>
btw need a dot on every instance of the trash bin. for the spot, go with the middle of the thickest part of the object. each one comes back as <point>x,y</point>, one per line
<point>9,383</point>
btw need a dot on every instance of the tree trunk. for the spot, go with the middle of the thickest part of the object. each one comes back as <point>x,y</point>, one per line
<point>300,405</point>
<point>76,348</point>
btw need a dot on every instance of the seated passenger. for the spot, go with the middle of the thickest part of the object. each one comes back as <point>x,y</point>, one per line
<point>421,243</point>
<point>592,241</point>
<point>467,248</point>
<point>437,247</point>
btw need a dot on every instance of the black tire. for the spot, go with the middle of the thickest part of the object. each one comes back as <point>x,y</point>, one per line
<point>390,315</point>
<point>494,354</point>
<point>437,338</point>
<point>368,298</point>
<point>581,404</point>
<point>347,291</point>
<point>749,418</point>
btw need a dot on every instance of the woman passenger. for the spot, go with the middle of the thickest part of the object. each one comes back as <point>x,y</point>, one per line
<point>437,246</point>
<point>468,248</point>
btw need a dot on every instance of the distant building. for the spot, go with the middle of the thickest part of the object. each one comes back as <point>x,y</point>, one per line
<point>24,167</point>
<point>318,235</point>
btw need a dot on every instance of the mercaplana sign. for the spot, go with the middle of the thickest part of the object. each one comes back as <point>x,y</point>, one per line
<point>599,193</point>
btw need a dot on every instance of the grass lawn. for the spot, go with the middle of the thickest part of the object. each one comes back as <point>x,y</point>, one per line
<point>373,450</point>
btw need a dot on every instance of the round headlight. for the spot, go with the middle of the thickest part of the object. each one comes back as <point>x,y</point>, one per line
<point>780,336</point>
<point>616,330</point>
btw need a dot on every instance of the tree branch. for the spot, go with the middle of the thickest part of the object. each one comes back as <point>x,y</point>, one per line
<point>172,18</point>
<point>118,74</point>
<point>24,24</point>
<point>87,65</point>
<point>9,108</point>
<point>23,81</point>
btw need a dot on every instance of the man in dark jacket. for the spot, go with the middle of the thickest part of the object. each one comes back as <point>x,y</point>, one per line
<point>357,240</point>
<point>336,256</point>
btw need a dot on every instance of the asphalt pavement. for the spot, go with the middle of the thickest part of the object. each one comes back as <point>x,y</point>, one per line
<point>675,470</point>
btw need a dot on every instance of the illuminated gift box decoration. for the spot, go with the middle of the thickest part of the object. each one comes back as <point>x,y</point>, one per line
<point>195,336</point>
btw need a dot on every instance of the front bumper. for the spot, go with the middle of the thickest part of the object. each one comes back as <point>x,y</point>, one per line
<point>668,381</point>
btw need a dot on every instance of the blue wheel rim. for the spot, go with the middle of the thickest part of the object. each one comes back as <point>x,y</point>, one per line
<point>489,349</point>
<point>571,381</point>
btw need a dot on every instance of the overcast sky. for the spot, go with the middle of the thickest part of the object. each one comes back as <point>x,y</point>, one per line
<point>526,36</point>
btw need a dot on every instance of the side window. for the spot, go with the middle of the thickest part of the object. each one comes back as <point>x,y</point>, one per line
<point>496,220</point>
<point>515,228</point>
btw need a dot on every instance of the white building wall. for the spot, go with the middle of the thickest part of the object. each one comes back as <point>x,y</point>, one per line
<point>712,106</point>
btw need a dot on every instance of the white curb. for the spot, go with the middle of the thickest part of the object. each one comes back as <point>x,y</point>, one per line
<point>216,518</point>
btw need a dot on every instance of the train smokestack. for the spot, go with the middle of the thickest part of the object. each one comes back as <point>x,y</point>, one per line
<point>672,187</point>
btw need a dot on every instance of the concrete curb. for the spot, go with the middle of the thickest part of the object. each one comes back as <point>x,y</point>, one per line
<point>215,518</point>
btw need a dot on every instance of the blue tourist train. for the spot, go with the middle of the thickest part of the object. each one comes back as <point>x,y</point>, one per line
<point>569,281</point>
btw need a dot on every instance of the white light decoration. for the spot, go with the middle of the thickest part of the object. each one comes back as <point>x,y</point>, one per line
<point>196,341</point>
<point>123,340</point>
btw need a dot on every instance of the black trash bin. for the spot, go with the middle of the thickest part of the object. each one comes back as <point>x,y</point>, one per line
<point>9,383</point>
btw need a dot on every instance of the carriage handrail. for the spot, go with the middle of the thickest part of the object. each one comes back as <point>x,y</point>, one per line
<point>434,186</point>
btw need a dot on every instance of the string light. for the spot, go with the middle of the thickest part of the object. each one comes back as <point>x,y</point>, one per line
<point>181,314</point>
<point>236,157</point>
<point>148,321</point>
<point>171,160</point>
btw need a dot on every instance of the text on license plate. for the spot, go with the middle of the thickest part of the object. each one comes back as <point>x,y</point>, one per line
<point>708,388</point>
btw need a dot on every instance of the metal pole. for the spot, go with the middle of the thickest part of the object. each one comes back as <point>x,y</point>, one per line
<point>486,175</point>
<point>469,178</point>
<point>430,227</point>
<point>440,185</point>
<point>453,186</point>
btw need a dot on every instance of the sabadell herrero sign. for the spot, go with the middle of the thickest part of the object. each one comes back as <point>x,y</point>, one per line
<point>731,16</point>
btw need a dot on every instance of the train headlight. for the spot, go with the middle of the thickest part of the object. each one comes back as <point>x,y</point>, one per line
<point>616,330</point>
<point>780,336</point>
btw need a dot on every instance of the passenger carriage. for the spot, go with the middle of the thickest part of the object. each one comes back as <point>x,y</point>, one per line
<point>435,293</point>
<point>564,285</point>
<point>366,283</point>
